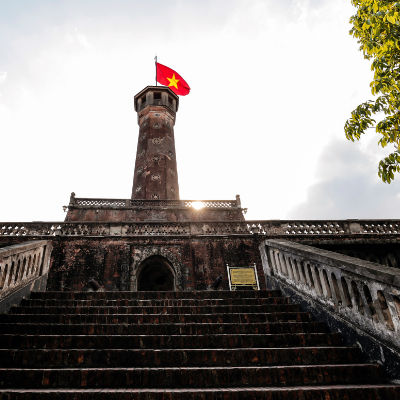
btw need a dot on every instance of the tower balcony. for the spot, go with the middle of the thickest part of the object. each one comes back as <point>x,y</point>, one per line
<point>132,210</point>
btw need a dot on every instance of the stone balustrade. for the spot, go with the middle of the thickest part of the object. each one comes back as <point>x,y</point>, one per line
<point>151,204</point>
<point>117,203</point>
<point>342,227</point>
<point>363,293</point>
<point>23,263</point>
<point>304,229</point>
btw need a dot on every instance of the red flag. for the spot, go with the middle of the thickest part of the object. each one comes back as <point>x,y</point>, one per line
<point>168,77</point>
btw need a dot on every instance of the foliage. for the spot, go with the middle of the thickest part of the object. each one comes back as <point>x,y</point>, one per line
<point>376,25</point>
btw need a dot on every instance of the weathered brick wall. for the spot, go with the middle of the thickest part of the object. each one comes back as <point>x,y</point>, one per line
<point>104,214</point>
<point>114,262</point>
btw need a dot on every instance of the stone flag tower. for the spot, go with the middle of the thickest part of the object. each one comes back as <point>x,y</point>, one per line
<point>155,190</point>
<point>156,175</point>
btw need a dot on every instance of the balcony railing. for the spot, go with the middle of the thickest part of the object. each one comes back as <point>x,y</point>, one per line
<point>128,203</point>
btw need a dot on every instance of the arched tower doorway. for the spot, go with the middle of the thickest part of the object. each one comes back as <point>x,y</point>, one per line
<point>156,274</point>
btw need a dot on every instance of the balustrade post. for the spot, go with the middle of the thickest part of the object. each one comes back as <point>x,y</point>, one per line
<point>295,269</point>
<point>394,311</point>
<point>301,271</point>
<point>309,280</point>
<point>377,306</point>
<point>325,284</point>
<point>335,292</point>
<point>274,265</point>
<point>266,261</point>
<point>317,280</point>
<point>6,276</point>
<point>285,258</point>
<point>11,278</point>
<point>282,264</point>
<point>279,266</point>
<point>366,304</point>
<point>271,258</point>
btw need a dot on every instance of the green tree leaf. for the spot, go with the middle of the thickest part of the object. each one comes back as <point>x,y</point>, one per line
<point>376,26</point>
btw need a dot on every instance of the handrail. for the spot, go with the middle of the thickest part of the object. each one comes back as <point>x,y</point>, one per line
<point>22,263</point>
<point>365,294</point>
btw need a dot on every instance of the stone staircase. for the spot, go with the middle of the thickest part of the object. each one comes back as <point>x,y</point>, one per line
<point>177,345</point>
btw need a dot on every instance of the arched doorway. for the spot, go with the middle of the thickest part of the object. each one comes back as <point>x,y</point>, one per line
<point>156,274</point>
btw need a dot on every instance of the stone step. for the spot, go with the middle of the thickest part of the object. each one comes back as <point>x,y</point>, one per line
<point>220,309</point>
<point>202,377</point>
<point>331,392</point>
<point>177,345</point>
<point>154,302</point>
<point>112,358</point>
<point>279,327</point>
<point>12,341</point>
<point>217,294</point>
<point>155,318</point>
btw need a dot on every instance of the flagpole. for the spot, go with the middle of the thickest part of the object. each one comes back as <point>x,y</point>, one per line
<point>155,58</point>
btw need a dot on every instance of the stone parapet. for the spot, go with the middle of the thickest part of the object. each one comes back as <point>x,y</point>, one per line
<point>278,228</point>
<point>152,204</point>
<point>365,294</point>
<point>133,210</point>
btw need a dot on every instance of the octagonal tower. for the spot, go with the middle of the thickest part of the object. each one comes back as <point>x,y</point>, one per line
<point>156,175</point>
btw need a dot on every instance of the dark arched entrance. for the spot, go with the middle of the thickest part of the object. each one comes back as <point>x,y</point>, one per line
<point>156,274</point>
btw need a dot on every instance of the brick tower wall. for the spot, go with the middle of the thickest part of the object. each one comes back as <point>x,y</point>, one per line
<point>156,174</point>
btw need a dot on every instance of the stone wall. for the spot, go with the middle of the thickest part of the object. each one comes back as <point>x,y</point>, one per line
<point>129,214</point>
<point>114,262</point>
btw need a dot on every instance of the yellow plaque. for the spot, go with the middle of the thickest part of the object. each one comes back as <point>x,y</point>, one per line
<point>243,276</point>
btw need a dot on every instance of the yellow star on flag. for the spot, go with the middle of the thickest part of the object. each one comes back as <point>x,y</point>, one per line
<point>173,81</point>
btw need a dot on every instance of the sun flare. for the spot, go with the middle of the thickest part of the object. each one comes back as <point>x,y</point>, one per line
<point>197,205</point>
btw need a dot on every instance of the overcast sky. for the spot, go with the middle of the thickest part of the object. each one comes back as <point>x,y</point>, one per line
<point>273,83</point>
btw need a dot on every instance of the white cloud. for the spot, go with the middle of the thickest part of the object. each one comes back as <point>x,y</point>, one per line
<point>74,36</point>
<point>348,187</point>
<point>3,76</point>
